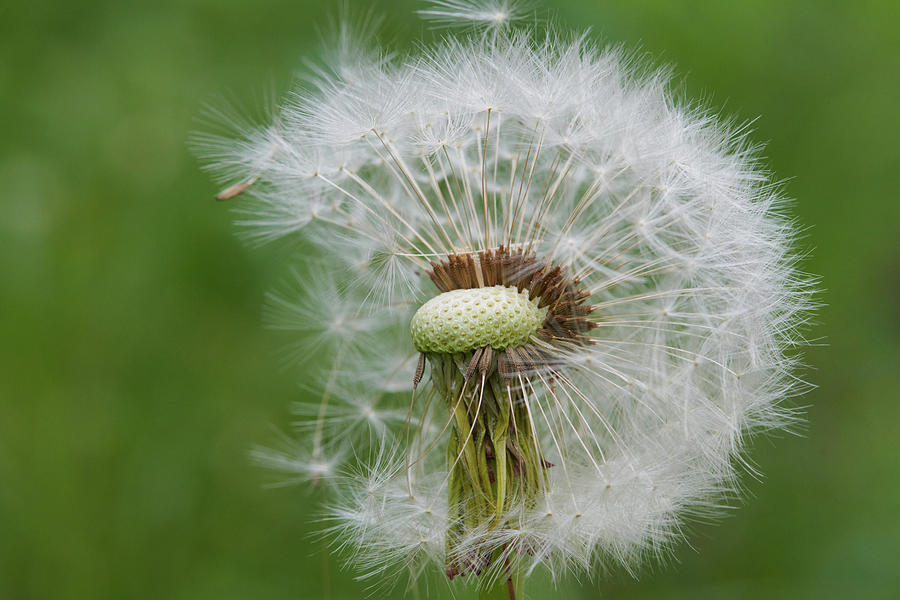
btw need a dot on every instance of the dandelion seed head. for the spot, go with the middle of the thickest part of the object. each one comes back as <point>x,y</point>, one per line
<point>546,302</point>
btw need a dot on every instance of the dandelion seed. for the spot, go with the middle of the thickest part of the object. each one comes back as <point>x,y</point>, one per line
<point>235,190</point>
<point>549,299</point>
<point>488,13</point>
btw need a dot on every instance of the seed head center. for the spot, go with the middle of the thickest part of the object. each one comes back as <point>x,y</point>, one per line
<point>465,319</point>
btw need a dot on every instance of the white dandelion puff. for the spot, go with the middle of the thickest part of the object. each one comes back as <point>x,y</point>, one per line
<point>552,300</point>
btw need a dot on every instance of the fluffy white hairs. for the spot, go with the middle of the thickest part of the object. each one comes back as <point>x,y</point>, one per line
<point>506,136</point>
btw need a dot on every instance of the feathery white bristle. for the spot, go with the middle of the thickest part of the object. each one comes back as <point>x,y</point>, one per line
<point>485,13</point>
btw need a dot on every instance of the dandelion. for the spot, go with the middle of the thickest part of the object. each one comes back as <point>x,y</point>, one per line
<point>551,301</point>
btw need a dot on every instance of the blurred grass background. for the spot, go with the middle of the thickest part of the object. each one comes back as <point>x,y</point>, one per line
<point>135,374</point>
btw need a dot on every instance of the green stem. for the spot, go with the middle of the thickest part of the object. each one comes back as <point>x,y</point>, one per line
<point>505,588</point>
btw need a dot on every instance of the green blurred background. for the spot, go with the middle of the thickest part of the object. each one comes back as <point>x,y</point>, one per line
<point>135,373</point>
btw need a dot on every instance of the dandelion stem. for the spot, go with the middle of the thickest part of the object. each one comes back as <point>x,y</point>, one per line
<point>508,585</point>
